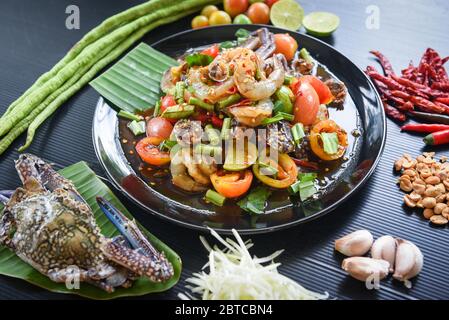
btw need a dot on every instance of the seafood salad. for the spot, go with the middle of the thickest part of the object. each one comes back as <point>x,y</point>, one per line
<point>50,226</point>
<point>243,118</point>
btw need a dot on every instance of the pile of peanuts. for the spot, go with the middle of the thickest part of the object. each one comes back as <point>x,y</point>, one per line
<point>426,182</point>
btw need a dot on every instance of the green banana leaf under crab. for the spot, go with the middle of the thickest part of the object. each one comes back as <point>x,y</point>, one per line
<point>90,186</point>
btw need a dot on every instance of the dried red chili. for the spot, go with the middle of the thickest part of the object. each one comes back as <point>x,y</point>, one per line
<point>384,62</point>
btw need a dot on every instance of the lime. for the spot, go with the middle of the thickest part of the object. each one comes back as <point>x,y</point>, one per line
<point>321,24</point>
<point>242,19</point>
<point>287,14</point>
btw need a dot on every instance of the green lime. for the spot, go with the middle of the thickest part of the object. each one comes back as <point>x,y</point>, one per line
<point>242,19</point>
<point>287,14</point>
<point>321,24</point>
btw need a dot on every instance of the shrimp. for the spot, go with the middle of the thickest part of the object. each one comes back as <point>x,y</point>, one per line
<point>181,178</point>
<point>253,116</point>
<point>221,68</point>
<point>207,92</point>
<point>249,87</point>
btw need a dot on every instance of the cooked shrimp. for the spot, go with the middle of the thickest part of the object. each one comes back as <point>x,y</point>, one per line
<point>207,92</point>
<point>220,69</point>
<point>249,87</point>
<point>193,168</point>
<point>253,116</point>
<point>180,176</point>
<point>207,165</point>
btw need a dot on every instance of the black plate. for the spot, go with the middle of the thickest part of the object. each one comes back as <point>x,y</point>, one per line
<point>363,112</point>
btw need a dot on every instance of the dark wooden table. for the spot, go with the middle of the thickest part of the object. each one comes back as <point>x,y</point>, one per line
<point>33,38</point>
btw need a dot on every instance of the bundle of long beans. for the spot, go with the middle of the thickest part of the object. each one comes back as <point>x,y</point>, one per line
<point>92,53</point>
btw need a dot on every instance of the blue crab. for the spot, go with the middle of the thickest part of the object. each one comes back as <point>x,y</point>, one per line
<point>50,226</point>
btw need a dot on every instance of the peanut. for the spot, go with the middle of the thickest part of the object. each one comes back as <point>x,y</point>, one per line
<point>433,180</point>
<point>439,220</point>
<point>439,208</point>
<point>428,213</point>
<point>429,203</point>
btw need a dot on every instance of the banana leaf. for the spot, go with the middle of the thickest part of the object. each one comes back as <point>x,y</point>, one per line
<point>133,83</point>
<point>90,186</point>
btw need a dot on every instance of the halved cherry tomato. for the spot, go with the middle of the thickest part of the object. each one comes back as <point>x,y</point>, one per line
<point>286,45</point>
<point>216,121</point>
<point>287,173</point>
<point>316,144</point>
<point>320,87</point>
<point>212,51</point>
<point>168,101</point>
<point>159,128</point>
<point>150,153</point>
<point>232,185</point>
<point>307,104</point>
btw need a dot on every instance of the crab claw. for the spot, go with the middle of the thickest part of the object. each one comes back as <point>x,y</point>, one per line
<point>5,195</point>
<point>142,247</point>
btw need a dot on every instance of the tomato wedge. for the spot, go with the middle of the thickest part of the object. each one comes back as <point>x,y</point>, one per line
<point>306,105</point>
<point>232,185</point>
<point>287,173</point>
<point>323,91</point>
<point>212,51</point>
<point>316,144</point>
<point>150,153</point>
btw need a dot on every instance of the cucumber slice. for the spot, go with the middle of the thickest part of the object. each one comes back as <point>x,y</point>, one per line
<point>321,24</point>
<point>240,158</point>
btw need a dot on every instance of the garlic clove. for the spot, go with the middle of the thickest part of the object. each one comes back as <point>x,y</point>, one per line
<point>357,243</point>
<point>409,261</point>
<point>384,248</point>
<point>362,268</point>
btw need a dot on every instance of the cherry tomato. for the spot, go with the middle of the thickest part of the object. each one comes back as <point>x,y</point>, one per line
<point>320,87</point>
<point>200,22</point>
<point>235,7</point>
<point>208,10</point>
<point>286,45</point>
<point>168,101</point>
<point>306,105</point>
<point>159,128</point>
<point>212,51</point>
<point>219,17</point>
<point>270,2</point>
<point>232,185</point>
<point>316,144</point>
<point>151,154</point>
<point>259,13</point>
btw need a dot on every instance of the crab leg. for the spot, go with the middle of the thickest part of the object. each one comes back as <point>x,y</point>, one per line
<point>137,241</point>
<point>3,199</point>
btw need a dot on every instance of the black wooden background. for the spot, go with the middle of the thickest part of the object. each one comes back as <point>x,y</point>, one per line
<point>33,37</point>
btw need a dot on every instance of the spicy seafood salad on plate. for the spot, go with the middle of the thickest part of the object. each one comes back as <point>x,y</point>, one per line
<point>241,119</point>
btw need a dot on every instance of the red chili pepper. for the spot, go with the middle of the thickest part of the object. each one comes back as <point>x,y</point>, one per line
<point>212,51</point>
<point>217,122</point>
<point>426,105</point>
<point>242,103</point>
<point>425,128</point>
<point>406,107</point>
<point>444,100</point>
<point>306,164</point>
<point>202,117</point>
<point>443,86</point>
<point>394,113</point>
<point>233,90</point>
<point>384,62</point>
<point>437,138</point>
<point>391,83</point>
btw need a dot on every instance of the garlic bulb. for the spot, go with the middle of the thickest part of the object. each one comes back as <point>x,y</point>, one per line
<point>385,248</point>
<point>355,244</point>
<point>409,261</point>
<point>362,268</point>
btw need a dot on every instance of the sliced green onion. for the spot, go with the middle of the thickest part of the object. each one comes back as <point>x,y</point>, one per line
<point>268,169</point>
<point>226,129</point>
<point>330,142</point>
<point>228,101</point>
<point>307,176</point>
<point>157,108</point>
<point>130,116</point>
<point>288,80</point>
<point>200,103</point>
<point>306,190</point>
<point>213,135</point>
<point>179,91</point>
<point>306,55</point>
<point>207,149</point>
<point>294,188</point>
<point>286,116</point>
<point>215,198</point>
<point>298,133</point>
<point>228,45</point>
<point>137,127</point>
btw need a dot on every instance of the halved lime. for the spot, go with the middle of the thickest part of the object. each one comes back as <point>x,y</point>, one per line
<point>321,24</point>
<point>287,14</point>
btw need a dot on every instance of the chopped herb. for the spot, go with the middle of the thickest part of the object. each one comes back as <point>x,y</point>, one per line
<point>306,190</point>
<point>137,127</point>
<point>166,145</point>
<point>198,59</point>
<point>278,117</point>
<point>242,33</point>
<point>228,45</point>
<point>307,176</point>
<point>256,201</point>
<point>298,133</point>
<point>330,142</point>
<point>278,106</point>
